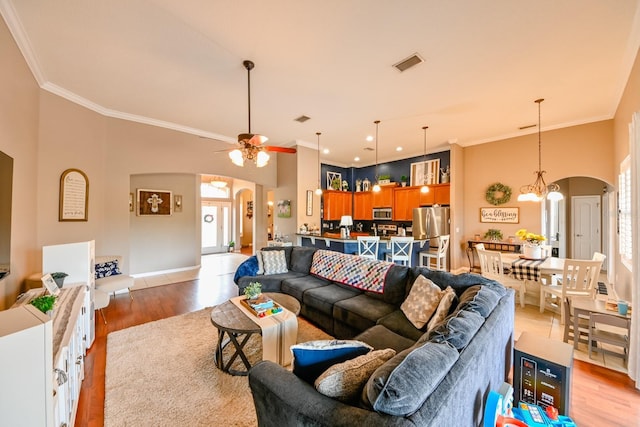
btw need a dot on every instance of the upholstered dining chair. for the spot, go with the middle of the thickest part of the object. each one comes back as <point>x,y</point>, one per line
<point>491,268</point>
<point>401,250</point>
<point>579,278</point>
<point>368,246</point>
<point>439,255</point>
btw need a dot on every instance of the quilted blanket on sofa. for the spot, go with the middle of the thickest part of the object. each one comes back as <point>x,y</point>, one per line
<point>359,272</point>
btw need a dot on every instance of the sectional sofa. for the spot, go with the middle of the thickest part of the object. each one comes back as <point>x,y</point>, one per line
<point>440,377</point>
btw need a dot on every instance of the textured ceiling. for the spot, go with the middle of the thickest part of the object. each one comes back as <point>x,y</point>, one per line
<point>179,65</point>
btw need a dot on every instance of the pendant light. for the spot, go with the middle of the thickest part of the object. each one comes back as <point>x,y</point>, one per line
<point>319,189</point>
<point>376,186</point>
<point>539,189</point>
<point>425,187</point>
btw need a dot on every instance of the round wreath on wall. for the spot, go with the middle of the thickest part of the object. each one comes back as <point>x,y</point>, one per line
<point>498,194</point>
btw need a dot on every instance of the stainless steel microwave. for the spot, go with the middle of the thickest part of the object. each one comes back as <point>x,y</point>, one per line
<point>382,214</point>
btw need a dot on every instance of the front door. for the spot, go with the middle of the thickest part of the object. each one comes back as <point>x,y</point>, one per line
<point>216,226</point>
<point>585,224</point>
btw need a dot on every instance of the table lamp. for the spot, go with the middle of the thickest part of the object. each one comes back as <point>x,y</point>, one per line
<point>346,221</point>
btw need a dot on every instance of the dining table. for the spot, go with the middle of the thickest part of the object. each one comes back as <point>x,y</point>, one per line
<point>520,267</point>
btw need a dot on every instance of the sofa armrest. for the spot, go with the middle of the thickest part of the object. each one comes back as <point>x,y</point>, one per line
<point>283,399</point>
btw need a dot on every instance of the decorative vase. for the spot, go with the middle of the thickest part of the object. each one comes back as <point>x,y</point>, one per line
<point>59,281</point>
<point>445,178</point>
<point>532,251</point>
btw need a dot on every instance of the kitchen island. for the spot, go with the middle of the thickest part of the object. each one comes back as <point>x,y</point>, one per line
<point>333,242</point>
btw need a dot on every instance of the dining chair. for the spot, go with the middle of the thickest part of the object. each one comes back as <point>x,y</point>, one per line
<point>614,333</point>
<point>368,246</point>
<point>491,268</point>
<point>401,250</point>
<point>579,277</point>
<point>583,325</point>
<point>439,254</point>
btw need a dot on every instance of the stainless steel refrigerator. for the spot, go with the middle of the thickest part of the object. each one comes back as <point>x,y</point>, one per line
<point>431,222</point>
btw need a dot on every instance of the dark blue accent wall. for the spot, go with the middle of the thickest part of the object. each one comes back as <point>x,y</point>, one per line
<point>396,169</point>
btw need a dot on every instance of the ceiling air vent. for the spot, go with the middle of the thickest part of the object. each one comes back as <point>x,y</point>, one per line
<point>409,62</point>
<point>369,149</point>
<point>302,119</point>
<point>527,127</point>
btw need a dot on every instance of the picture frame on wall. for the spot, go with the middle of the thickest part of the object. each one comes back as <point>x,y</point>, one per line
<point>74,196</point>
<point>309,203</point>
<point>427,172</point>
<point>284,208</point>
<point>500,215</point>
<point>154,202</point>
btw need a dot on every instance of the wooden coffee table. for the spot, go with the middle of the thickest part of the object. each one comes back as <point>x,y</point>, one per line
<point>238,328</point>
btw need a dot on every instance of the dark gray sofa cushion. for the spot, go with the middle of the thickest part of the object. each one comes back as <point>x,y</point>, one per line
<point>481,299</point>
<point>361,312</point>
<point>270,283</point>
<point>323,298</point>
<point>401,385</point>
<point>301,258</point>
<point>296,287</point>
<point>397,322</point>
<point>458,329</point>
<point>395,286</point>
<point>380,338</point>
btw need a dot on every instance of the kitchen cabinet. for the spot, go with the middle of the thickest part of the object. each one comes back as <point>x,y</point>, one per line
<point>404,200</point>
<point>383,198</point>
<point>441,194</point>
<point>363,206</point>
<point>336,204</point>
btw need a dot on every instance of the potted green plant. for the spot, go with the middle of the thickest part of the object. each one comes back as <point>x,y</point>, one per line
<point>44,303</point>
<point>403,180</point>
<point>384,179</point>
<point>232,244</point>
<point>58,277</point>
<point>493,234</point>
<point>253,291</point>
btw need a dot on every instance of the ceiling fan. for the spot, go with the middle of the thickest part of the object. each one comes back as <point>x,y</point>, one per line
<point>251,145</point>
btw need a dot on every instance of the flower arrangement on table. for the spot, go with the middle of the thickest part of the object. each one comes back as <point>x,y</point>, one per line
<point>531,238</point>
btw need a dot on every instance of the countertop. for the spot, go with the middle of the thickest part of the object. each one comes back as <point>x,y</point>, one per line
<point>352,238</point>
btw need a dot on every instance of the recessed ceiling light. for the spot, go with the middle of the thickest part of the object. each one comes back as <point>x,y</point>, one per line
<point>325,151</point>
<point>369,138</point>
<point>398,148</point>
<point>356,159</point>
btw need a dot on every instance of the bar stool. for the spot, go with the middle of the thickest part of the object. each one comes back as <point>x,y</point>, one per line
<point>439,255</point>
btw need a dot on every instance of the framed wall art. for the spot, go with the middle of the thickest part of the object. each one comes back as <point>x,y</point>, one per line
<point>309,203</point>
<point>427,172</point>
<point>284,208</point>
<point>74,196</point>
<point>154,202</point>
<point>500,215</point>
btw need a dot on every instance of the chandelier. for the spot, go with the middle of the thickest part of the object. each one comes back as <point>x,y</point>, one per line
<point>376,187</point>
<point>539,189</point>
<point>425,187</point>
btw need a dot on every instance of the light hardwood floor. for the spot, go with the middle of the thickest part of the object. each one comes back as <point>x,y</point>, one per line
<point>600,396</point>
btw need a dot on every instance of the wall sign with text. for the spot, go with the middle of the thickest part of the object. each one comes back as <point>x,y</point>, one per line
<point>500,215</point>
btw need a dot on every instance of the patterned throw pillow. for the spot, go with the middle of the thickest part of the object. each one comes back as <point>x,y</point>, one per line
<point>422,301</point>
<point>344,381</point>
<point>107,269</point>
<point>444,306</point>
<point>274,262</point>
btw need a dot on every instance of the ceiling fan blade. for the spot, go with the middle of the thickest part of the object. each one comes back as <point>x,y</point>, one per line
<point>279,149</point>
<point>258,140</point>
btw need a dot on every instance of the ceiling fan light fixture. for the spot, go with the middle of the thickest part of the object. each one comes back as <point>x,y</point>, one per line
<point>237,158</point>
<point>262,159</point>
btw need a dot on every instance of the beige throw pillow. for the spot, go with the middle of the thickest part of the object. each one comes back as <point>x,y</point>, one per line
<point>422,301</point>
<point>344,381</point>
<point>448,296</point>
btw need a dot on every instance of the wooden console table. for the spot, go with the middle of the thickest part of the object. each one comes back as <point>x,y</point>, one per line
<point>490,245</point>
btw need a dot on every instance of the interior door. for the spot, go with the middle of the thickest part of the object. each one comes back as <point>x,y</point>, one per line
<point>585,225</point>
<point>216,226</point>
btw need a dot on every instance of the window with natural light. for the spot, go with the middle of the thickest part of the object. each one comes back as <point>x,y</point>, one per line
<point>214,192</point>
<point>624,213</point>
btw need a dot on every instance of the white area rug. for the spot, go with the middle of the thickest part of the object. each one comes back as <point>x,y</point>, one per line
<point>163,374</point>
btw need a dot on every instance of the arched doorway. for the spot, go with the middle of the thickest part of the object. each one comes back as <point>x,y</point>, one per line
<point>580,224</point>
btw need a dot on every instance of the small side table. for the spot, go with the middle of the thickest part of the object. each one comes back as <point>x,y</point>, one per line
<point>238,328</point>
